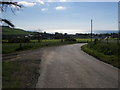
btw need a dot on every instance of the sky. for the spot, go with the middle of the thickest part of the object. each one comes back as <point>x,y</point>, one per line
<point>64,17</point>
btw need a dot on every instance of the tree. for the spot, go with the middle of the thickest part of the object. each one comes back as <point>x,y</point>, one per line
<point>4,6</point>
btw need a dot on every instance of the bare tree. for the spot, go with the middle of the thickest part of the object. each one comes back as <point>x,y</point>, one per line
<point>4,6</point>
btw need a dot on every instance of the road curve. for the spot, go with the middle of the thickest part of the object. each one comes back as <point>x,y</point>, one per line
<point>69,67</point>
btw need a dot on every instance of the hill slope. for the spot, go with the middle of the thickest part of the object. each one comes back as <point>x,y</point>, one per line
<point>13,31</point>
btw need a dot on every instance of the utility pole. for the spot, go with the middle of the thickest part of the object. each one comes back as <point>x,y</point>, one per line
<point>91,30</point>
<point>118,32</point>
<point>118,22</point>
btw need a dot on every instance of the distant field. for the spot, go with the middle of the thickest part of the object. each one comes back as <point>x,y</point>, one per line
<point>107,52</point>
<point>47,40</point>
<point>13,47</point>
<point>84,40</point>
<point>57,40</point>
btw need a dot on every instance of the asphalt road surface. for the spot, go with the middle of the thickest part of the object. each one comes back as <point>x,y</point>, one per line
<point>69,67</point>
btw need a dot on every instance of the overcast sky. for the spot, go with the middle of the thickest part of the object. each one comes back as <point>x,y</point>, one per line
<point>65,17</point>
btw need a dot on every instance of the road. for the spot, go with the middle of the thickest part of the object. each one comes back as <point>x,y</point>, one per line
<point>69,67</point>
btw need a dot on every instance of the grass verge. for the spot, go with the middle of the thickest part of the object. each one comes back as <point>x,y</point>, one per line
<point>20,74</point>
<point>110,59</point>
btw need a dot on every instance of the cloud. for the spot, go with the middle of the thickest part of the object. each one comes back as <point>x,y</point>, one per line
<point>27,4</point>
<point>60,8</point>
<point>44,9</point>
<point>41,2</point>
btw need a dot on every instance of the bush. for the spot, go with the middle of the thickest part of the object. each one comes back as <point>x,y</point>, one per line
<point>95,41</point>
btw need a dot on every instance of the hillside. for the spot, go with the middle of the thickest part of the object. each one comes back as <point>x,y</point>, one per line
<point>13,31</point>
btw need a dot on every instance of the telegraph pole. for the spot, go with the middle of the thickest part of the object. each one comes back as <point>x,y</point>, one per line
<point>118,22</point>
<point>91,30</point>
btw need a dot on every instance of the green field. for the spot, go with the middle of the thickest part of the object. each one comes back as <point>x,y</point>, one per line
<point>14,47</point>
<point>107,52</point>
<point>82,40</point>
<point>13,31</point>
<point>47,40</point>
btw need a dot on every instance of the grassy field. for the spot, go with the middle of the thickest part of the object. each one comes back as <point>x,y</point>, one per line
<point>13,47</point>
<point>86,40</point>
<point>13,31</point>
<point>19,74</point>
<point>103,51</point>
